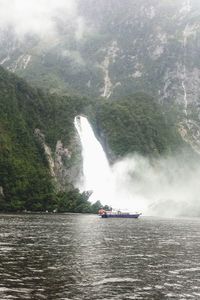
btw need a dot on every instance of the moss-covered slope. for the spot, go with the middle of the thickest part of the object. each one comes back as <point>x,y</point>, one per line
<point>137,124</point>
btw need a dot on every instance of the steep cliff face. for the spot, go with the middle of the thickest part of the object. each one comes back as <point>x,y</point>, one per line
<point>124,47</point>
<point>153,47</point>
<point>64,164</point>
<point>39,153</point>
<point>132,46</point>
<point>147,45</point>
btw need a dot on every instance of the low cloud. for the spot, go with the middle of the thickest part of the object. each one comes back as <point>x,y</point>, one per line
<point>40,17</point>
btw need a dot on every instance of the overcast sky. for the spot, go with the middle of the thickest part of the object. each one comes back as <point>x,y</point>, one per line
<point>38,16</point>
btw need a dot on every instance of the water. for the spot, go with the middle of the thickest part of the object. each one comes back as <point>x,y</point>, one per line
<point>110,185</point>
<point>96,170</point>
<point>82,257</point>
<point>136,183</point>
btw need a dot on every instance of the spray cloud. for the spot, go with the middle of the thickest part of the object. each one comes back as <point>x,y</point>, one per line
<point>164,186</point>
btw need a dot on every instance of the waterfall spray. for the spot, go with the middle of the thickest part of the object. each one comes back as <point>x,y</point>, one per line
<point>134,183</point>
<point>111,185</point>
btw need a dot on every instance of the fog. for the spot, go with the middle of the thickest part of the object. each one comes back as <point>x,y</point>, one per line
<point>166,186</point>
<point>41,18</point>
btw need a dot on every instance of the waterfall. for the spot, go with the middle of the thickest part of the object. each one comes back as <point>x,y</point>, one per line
<point>111,185</point>
<point>137,183</point>
<point>96,170</point>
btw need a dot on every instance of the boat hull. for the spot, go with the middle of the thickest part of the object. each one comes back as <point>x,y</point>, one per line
<point>125,216</point>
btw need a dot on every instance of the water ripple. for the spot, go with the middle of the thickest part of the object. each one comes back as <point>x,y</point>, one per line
<point>82,257</point>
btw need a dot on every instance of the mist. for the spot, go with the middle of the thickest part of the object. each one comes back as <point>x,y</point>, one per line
<point>166,186</point>
<point>40,18</point>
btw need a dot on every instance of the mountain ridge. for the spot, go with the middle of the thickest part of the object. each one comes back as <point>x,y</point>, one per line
<point>132,67</point>
<point>40,153</point>
<point>125,47</point>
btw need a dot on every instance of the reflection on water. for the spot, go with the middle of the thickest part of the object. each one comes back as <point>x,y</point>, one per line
<point>83,257</point>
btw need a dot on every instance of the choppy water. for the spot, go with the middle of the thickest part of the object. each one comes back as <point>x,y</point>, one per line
<point>83,257</point>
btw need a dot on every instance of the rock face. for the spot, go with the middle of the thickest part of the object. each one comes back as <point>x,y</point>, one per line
<point>1,192</point>
<point>2,196</point>
<point>64,171</point>
<point>148,45</point>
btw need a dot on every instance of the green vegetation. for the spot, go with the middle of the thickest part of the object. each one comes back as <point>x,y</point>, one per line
<point>24,170</point>
<point>136,124</point>
<point>73,201</point>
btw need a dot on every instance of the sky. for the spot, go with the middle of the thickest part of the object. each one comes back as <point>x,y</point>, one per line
<point>38,17</point>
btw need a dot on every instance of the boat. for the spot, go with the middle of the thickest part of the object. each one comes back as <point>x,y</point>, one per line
<point>122,215</point>
<point>118,214</point>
